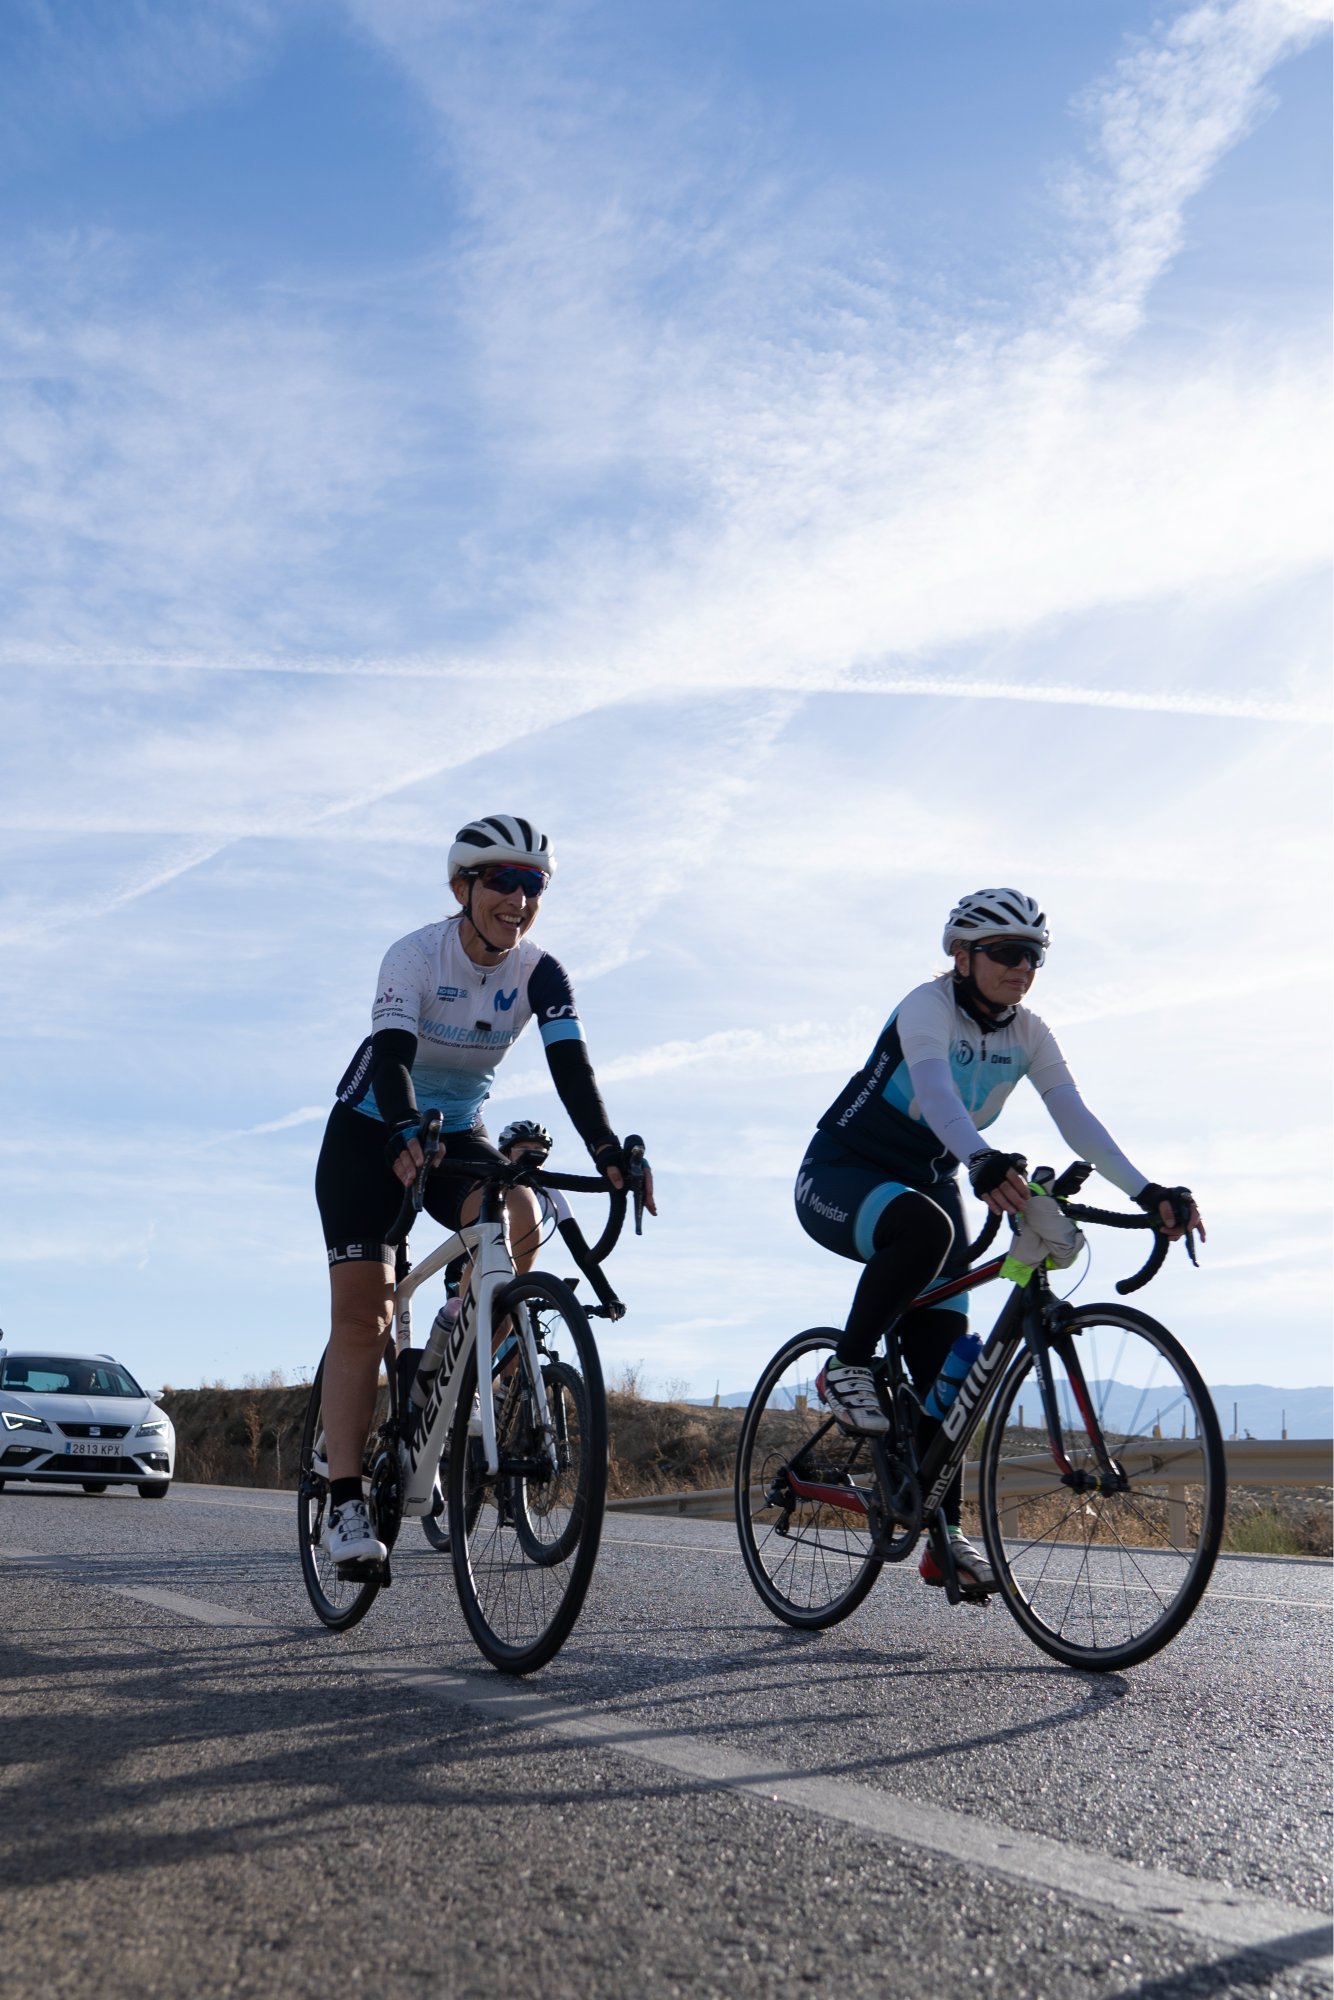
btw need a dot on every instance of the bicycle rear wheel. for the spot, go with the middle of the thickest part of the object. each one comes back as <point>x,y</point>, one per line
<point>809,1559</point>
<point>524,1542</point>
<point>339,1600</point>
<point>1101,1575</point>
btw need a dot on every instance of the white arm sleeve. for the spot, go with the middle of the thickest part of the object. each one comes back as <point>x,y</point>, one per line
<point>938,1102</point>
<point>555,1208</point>
<point>1091,1139</point>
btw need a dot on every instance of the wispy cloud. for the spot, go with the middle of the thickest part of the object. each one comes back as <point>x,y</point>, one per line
<point>309,1114</point>
<point>791,1048</point>
<point>1172,107</point>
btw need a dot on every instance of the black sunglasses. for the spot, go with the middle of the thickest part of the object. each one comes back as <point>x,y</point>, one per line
<point>506,880</point>
<point>1012,954</point>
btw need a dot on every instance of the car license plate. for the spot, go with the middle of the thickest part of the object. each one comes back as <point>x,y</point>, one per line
<point>92,1448</point>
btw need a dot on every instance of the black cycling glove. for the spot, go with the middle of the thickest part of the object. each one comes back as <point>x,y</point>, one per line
<point>399,1135</point>
<point>987,1170</point>
<point>1151,1197</point>
<point>611,1153</point>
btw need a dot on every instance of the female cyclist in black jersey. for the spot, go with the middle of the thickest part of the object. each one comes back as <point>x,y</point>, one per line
<point>451,1001</point>
<point>879,1180</point>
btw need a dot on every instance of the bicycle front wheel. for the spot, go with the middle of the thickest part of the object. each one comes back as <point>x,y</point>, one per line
<point>341,1601</point>
<point>547,1513</point>
<point>524,1542</point>
<point>808,1557</point>
<point>1102,1573</point>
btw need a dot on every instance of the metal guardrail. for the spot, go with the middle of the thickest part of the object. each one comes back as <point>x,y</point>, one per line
<point>1250,1462</point>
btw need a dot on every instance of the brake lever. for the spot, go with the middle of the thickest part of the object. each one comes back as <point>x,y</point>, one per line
<point>636,1163</point>
<point>1184,1219</point>
<point>432,1145</point>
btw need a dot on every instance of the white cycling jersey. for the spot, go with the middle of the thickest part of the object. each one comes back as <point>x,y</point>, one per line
<point>465,1017</point>
<point>937,1078</point>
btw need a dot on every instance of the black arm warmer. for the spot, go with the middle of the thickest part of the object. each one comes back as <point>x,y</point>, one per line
<point>393,1051</point>
<point>572,1074</point>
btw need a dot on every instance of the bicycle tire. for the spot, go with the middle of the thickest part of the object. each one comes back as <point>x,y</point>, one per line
<point>1103,1580</point>
<point>545,1519</point>
<point>339,1602</point>
<point>819,1575</point>
<point>520,1610</point>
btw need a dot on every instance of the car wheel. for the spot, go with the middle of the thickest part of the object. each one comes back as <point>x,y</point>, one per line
<point>154,1489</point>
<point>94,1485</point>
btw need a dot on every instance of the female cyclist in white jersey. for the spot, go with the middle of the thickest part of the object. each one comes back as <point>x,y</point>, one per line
<point>451,1001</point>
<point>879,1180</point>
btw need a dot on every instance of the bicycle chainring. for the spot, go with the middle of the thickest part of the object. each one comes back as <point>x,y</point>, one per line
<point>385,1501</point>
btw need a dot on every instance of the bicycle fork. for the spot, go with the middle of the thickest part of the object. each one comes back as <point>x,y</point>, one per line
<point>1054,1336</point>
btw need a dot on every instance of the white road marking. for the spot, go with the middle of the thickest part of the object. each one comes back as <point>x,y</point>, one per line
<point>200,1609</point>
<point>1208,1912</point>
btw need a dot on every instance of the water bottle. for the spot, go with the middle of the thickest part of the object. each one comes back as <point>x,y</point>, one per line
<point>953,1375</point>
<point>442,1326</point>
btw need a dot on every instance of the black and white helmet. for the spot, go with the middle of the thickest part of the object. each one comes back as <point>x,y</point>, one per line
<point>501,837</point>
<point>995,913</point>
<point>524,1132</point>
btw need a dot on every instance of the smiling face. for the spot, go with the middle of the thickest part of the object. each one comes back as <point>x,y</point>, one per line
<point>1000,985</point>
<point>499,916</point>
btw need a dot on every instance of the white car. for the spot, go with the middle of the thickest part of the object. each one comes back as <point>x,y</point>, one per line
<point>81,1420</point>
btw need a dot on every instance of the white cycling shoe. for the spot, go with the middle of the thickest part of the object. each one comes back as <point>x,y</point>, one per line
<point>348,1535</point>
<point>848,1393</point>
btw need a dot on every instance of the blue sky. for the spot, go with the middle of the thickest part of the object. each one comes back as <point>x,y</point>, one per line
<point>815,459</point>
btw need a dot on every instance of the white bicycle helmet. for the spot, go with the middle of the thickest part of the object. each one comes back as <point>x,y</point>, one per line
<point>995,913</point>
<point>524,1131</point>
<point>501,837</point>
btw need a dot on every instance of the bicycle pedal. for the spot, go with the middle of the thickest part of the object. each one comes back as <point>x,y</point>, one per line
<point>362,1570</point>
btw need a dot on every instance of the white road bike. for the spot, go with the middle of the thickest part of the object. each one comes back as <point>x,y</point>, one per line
<point>519,1472</point>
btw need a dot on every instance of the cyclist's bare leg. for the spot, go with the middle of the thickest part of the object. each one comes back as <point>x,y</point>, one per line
<point>362,1305</point>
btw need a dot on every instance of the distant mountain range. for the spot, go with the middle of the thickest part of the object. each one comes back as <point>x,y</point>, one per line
<point>1260,1411</point>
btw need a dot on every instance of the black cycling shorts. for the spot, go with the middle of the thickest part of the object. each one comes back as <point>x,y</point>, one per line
<point>359,1193</point>
<point>841,1196</point>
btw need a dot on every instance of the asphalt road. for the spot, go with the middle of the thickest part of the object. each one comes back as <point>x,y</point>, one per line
<point>205,1793</point>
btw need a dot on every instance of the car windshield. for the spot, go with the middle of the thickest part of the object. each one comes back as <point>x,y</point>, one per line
<point>66,1375</point>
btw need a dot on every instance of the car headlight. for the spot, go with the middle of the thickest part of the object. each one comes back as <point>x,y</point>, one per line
<point>19,1420</point>
<point>155,1428</point>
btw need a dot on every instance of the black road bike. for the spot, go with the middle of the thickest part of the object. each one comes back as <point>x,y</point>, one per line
<point>1101,1479</point>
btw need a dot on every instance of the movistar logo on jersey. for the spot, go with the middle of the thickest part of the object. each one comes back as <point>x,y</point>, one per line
<point>504,1001</point>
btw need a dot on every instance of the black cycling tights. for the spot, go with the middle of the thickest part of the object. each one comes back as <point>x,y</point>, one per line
<point>913,1241</point>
